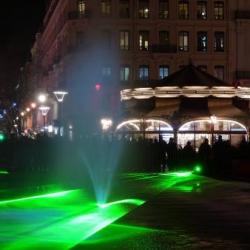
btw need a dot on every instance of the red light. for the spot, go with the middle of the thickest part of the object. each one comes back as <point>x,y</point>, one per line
<point>98,86</point>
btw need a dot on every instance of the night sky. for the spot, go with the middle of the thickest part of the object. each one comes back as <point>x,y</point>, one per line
<point>19,22</point>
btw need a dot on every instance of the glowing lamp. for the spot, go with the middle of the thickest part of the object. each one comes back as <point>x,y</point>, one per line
<point>44,110</point>
<point>33,105</point>
<point>213,119</point>
<point>60,95</point>
<point>98,87</point>
<point>197,169</point>
<point>22,113</point>
<point>28,109</point>
<point>106,124</point>
<point>2,137</point>
<point>42,98</point>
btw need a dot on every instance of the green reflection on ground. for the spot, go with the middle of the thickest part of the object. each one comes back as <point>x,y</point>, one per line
<point>4,172</point>
<point>57,220</point>
<point>61,220</point>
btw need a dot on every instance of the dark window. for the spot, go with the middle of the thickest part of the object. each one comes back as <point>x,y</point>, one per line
<point>163,71</point>
<point>144,72</point>
<point>144,40</point>
<point>163,9</point>
<point>164,37</point>
<point>80,38</point>
<point>183,41</point>
<point>124,40</point>
<point>124,9</point>
<point>106,7</point>
<point>183,9</point>
<point>106,72</point>
<point>202,41</point>
<point>124,73</point>
<point>203,67</point>
<point>219,41</point>
<point>219,10</point>
<point>143,9</point>
<point>219,72</point>
<point>106,38</point>
<point>202,10</point>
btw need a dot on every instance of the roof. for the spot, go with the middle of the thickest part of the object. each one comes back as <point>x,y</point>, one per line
<point>192,76</point>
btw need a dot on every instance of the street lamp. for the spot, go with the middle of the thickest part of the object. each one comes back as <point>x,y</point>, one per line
<point>42,98</point>
<point>33,105</point>
<point>106,124</point>
<point>44,110</point>
<point>60,94</point>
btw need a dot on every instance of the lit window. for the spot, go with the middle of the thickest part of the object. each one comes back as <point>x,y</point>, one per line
<point>163,37</point>
<point>144,40</point>
<point>81,7</point>
<point>106,7</point>
<point>219,72</point>
<point>144,9</point>
<point>183,9</point>
<point>202,41</point>
<point>143,72</point>
<point>183,41</point>
<point>163,71</point>
<point>202,10</point>
<point>124,9</point>
<point>219,10</point>
<point>219,41</point>
<point>124,73</point>
<point>163,9</point>
<point>124,40</point>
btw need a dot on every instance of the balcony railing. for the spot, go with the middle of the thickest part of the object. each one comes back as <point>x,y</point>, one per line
<point>78,15</point>
<point>162,48</point>
<point>242,14</point>
<point>243,74</point>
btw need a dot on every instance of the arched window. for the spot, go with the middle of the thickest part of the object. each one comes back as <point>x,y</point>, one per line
<point>196,131</point>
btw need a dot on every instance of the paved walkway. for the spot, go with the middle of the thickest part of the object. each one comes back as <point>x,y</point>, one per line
<point>189,213</point>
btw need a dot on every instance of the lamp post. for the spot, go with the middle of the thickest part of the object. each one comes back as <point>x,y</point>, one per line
<point>60,94</point>
<point>44,110</point>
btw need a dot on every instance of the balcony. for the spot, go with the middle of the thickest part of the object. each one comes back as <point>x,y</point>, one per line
<point>162,48</point>
<point>78,15</point>
<point>243,74</point>
<point>242,14</point>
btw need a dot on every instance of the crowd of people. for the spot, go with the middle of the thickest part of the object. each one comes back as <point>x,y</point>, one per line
<point>50,157</point>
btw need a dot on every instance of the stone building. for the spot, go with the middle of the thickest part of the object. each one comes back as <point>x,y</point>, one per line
<point>95,48</point>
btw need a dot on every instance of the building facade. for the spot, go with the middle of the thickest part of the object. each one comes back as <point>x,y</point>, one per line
<point>88,46</point>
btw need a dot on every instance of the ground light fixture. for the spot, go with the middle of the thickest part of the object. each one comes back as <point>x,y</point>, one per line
<point>60,95</point>
<point>2,137</point>
<point>197,169</point>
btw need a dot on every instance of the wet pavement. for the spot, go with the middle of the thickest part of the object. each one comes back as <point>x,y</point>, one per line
<point>168,211</point>
<point>195,213</point>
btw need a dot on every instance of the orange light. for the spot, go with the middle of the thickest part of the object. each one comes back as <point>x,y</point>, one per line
<point>33,105</point>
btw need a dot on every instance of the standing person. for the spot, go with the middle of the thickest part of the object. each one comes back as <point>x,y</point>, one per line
<point>189,155</point>
<point>171,153</point>
<point>204,154</point>
<point>162,154</point>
